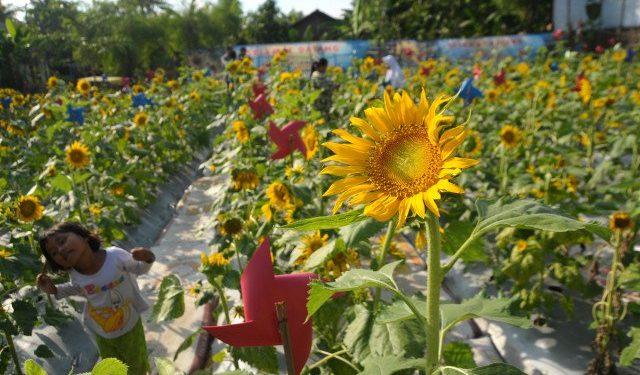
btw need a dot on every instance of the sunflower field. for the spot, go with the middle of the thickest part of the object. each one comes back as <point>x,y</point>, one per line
<point>526,168</point>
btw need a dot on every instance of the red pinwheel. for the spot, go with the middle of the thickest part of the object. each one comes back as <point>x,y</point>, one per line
<point>261,290</point>
<point>500,78</point>
<point>287,139</point>
<point>260,106</point>
<point>259,88</point>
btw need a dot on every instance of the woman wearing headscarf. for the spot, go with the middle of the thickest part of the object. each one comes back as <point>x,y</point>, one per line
<point>394,76</point>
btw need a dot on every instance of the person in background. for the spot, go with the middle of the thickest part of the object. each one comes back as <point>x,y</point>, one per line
<point>320,81</point>
<point>243,53</point>
<point>229,56</point>
<point>394,76</point>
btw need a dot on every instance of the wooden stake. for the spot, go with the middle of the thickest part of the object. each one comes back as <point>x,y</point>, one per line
<point>281,313</point>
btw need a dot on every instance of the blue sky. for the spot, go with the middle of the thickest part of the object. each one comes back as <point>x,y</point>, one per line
<point>331,7</point>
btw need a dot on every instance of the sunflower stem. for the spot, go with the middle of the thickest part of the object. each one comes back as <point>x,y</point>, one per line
<point>10,344</point>
<point>434,278</point>
<point>383,254</point>
<point>503,170</point>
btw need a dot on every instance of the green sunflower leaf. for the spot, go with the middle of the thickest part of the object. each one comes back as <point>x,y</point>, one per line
<point>327,222</point>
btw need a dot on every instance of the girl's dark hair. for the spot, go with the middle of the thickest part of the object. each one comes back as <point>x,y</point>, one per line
<point>66,227</point>
<point>322,62</point>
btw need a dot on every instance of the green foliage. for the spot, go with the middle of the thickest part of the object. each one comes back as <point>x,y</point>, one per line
<point>632,351</point>
<point>109,366</point>
<point>33,368</point>
<point>387,365</point>
<point>327,222</point>
<point>351,280</point>
<point>458,354</point>
<point>43,351</point>
<point>164,366</point>
<point>492,369</point>
<point>170,303</point>
<point>263,358</point>
<point>492,309</point>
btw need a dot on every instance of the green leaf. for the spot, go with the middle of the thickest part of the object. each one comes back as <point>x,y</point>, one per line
<point>43,351</point>
<point>32,368</point>
<point>186,343</point>
<point>55,317</point>
<point>479,307</point>
<point>362,230</point>
<point>389,364</point>
<point>458,354</point>
<point>235,372</point>
<point>326,252</point>
<point>630,278</point>
<point>164,366</point>
<point>25,315</point>
<point>170,303</point>
<point>351,280</point>
<point>492,369</point>
<point>62,183</point>
<point>456,234</point>
<point>327,222</point>
<point>532,215</point>
<point>11,28</point>
<point>364,338</point>
<point>219,356</point>
<point>109,366</point>
<point>261,357</point>
<point>632,351</point>
<point>399,311</point>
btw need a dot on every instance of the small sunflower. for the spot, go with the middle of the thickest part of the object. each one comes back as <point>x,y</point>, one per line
<point>279,196</point>
<point>52,82</point>
<point>29,209</point>
<point>521,245</point>
<point>342,262</point>
<point>194,96</point>
<point>311,243</point>
<point>585,90</point>
<point>473,145</point>
<point>231,227</point>
<point>310,139</point>
<point>83,86</point>
<point>197,75</point>
<point>141,119</point>
<point>244,180</point>
<point>242,133</point>
<point>4,253</point>
<point>78,155</point>
<point>137,88</point>
<point>619,55</point>
<point>217,259</point>
<point>620,221</point>
<point>510,136</point>
<point>266,212</point>
<point>403,161</point>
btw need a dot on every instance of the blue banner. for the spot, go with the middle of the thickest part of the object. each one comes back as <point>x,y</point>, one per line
<point>302,55</point>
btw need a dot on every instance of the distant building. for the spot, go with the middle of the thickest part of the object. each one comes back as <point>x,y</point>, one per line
<point>315,26</point>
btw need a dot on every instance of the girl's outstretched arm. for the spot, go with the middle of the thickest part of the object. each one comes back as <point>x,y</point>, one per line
<point>64,290</point>
<point>139,261</point>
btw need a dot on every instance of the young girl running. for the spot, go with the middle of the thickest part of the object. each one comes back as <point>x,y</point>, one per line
<point>105,277</point>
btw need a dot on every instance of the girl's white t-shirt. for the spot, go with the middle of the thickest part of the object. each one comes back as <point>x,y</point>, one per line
<point>114,302</point>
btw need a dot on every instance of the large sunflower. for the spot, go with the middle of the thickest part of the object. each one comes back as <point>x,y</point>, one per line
<point>29,209</point>
<point>78,155</point>
<point>83,86</point>
<point>403,161</point>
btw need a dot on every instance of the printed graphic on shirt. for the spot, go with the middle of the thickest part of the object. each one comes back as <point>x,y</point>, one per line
<point>111,319</point>
<point>92,288</point>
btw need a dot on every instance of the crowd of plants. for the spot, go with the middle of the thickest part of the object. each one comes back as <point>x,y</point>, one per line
<point>525,167</point>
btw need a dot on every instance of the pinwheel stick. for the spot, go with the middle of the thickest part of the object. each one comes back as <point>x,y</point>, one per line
<point>281,313</point>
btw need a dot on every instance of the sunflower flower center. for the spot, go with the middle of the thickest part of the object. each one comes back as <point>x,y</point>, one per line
<point>27,208</point>
<point>405,162</point>
<point>76,156</point>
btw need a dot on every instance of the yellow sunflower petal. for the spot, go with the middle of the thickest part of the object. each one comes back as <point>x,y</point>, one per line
<point>342,170</point>
<point>417,205</point>
<point>403,211</point>
<point>379,118</point>
<point>352,139</point>
<point>344,184</point>
<point>365,127</point>
<point>446,185</point>
<point>459,163</point>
